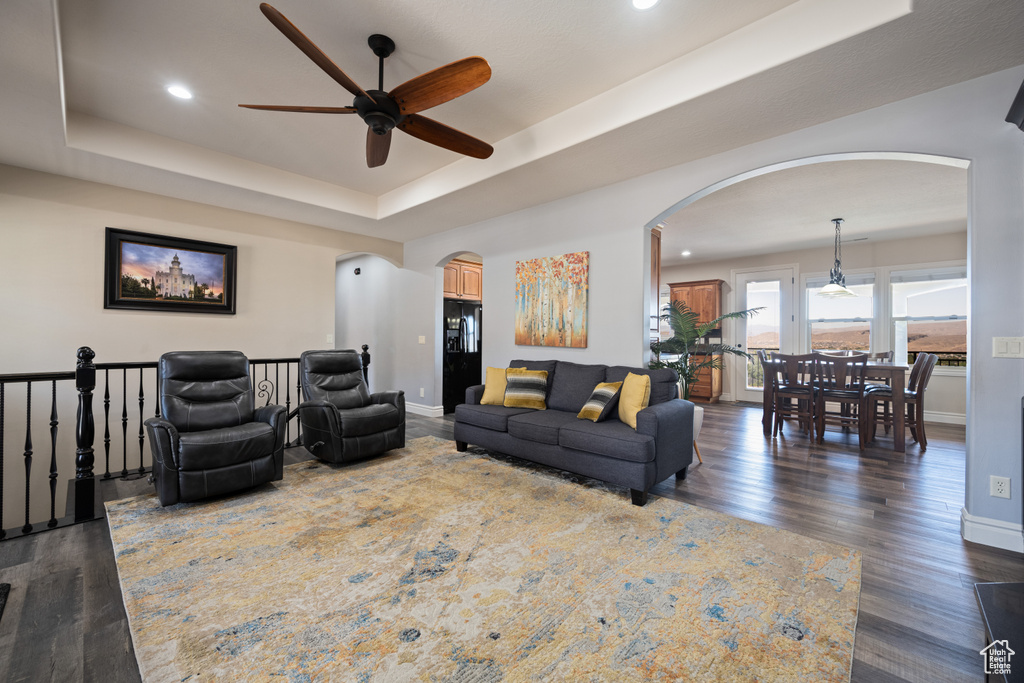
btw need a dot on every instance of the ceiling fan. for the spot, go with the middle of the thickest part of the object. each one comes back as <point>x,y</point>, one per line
<point>382,111</point>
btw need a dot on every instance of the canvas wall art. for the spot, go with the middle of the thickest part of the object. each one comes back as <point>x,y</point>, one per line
<point>161,273</point>
<point>551,300</point>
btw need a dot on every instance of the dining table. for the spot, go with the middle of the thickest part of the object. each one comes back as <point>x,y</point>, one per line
<point>894,374</point>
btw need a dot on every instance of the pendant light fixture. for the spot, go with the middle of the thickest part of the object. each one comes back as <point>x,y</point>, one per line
<point>836,286</point>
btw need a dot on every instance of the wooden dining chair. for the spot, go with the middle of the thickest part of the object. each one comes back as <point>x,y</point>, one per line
<point>840,379</point>
<point>793,390</point>
<point>913,397</point>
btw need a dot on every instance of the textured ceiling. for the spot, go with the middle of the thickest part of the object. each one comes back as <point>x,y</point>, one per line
<point>584,93</point>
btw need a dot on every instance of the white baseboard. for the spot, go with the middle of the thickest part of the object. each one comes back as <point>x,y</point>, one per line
<point>945,418</point>
<point>993,532</point>
<point>726,398</point>
<point>426,411</point>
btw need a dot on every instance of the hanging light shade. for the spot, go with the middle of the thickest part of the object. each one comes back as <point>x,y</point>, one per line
<point>836,286</point>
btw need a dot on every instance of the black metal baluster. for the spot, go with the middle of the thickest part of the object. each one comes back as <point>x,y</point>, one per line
<point>2,532</point>
<point>53,458</point>
<point>287,402</point>
<point>124,423</point>
<point>298,399</point>
<point>85,432</point>
<point>142,418</point>
<point>28,453</point>
<point>277,379</point>
<point>106,421</point>
<point>157,371</point>
<point>269,393</point>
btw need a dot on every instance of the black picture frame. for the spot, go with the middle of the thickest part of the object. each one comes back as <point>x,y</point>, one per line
<point>197,276</point>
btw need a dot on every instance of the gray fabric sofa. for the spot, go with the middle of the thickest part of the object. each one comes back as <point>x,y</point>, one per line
<point>661,445</point>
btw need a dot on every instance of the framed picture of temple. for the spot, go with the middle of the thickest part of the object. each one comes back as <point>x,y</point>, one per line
<point>160,273</point>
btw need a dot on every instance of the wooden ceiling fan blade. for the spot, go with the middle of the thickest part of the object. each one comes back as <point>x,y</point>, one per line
<point>377,148</point>
<point>308,110</point>
<point>441,135</point>
<point>299,39</point>
<point>441,85</point>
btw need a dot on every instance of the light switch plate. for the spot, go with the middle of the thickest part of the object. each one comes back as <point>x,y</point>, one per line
<point>330,339</point>
<point>423,340</point>
<point>1008,347</point>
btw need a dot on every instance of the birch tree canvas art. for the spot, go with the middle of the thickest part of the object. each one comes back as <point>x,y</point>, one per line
<point>551,300</point>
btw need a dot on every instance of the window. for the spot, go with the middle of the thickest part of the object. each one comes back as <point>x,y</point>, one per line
<point>841,324</point>
<point>929,314</point>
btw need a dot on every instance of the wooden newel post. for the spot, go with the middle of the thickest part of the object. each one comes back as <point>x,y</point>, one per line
<point>365,355</point>
<point>85,487</point>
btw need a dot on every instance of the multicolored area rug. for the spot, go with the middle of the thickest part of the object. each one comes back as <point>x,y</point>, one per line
<point>433,565</point>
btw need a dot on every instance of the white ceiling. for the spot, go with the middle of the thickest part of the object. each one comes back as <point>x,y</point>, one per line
<point>584,93</point>
<point>792,209</point>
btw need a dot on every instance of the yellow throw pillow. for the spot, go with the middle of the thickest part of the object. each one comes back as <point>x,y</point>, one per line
<point>602,402</point>
<point>494,388</point>
<point>526,388</point>
<point>634,396</point>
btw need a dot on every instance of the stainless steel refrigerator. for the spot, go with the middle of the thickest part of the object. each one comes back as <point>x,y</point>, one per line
<point>462,350</point>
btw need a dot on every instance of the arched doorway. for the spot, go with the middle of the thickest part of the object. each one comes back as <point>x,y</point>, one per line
<point>461,340</point>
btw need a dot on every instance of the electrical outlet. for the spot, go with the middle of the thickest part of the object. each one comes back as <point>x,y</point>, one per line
<point>421,392</point>
<point>330,339</point>
<point>999,487</point>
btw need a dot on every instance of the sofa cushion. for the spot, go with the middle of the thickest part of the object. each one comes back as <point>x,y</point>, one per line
<point>224,447</point>
<point>494,387</point>
<point>488,417</point>
<point>611,438</point>
<point>573,385</point>
<point>664,381</point>
<point>602,402</point>
<point>525,388</point>
<point>547,366</point>
<point>634,396</point>
<point>541,426</point>
<point>371,419</point>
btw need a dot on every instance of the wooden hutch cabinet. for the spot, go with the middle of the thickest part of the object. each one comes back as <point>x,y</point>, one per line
<point>463,280</point>
<point>705,298</point>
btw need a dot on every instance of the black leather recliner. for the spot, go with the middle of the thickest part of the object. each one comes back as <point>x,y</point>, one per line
<point>210,440</point>
<point>341,421</point>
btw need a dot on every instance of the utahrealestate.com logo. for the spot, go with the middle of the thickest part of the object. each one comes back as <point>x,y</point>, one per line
<point>997,657</point>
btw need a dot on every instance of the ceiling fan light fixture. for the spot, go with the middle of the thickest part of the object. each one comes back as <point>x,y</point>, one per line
<point>686,252</point>
<point>180,91</point>
<point>644,4</point>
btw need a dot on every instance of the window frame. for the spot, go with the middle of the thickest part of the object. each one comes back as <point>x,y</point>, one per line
<point>883,328</point>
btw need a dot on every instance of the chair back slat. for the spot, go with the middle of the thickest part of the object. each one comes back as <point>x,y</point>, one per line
<point>841,373</point>
<point>792,370</point>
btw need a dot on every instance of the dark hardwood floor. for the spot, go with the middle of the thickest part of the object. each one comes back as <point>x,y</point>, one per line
<point>918,621</point>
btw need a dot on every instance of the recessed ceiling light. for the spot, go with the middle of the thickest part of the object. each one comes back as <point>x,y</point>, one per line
<point>644,4</point>
<point>179,91</point>
<point>686,253</point>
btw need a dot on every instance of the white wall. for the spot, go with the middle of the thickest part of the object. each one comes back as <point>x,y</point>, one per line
<point>51,275</point>
<point>963,121</point>
<point>947,391</point>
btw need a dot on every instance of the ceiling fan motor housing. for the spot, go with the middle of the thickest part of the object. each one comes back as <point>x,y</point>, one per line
<point>380,115</point>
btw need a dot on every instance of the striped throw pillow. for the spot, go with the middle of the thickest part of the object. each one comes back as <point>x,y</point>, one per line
<point>525,388</point>
<point>601,402</point>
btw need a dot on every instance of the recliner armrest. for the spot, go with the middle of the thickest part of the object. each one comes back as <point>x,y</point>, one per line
<point>322,415</point>
<point>474,394</point>
<point>163,439</point>
<point>395,398</point>
<point>276,416</point>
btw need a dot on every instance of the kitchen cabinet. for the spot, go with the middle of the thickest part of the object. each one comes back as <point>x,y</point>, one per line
<point>463,280</point>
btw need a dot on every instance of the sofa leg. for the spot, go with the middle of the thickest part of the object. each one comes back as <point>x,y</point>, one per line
<point>681,474</point>
<point>460,446</point>
<point>639,497</point>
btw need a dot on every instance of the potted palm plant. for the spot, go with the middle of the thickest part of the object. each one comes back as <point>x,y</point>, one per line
<point>689,345</point>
